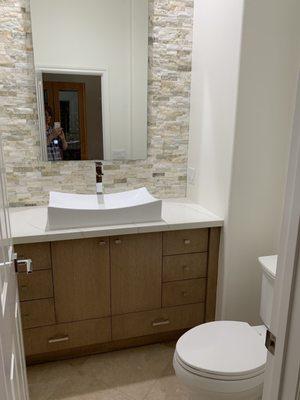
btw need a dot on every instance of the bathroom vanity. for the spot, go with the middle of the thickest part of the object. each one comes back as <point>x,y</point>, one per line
<point>107,288</point>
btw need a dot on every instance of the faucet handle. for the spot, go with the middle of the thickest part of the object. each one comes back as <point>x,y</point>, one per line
<point>99,171</point>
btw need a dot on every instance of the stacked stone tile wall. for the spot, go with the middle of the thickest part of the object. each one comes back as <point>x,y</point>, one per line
<point>163,173</point>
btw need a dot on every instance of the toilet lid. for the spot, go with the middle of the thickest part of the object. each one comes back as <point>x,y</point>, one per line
<point>223,348</point>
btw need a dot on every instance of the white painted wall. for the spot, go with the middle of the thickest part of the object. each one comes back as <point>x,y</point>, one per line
<point>241,175</point>
<point>215,68</point>
<point>101,35</point>
<point>267,89</point>
<point>215,73</point>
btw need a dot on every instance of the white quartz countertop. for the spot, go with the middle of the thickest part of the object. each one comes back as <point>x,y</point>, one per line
<point>28,224</point>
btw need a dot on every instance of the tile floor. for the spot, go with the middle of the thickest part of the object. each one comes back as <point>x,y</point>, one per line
<point>143,373</point>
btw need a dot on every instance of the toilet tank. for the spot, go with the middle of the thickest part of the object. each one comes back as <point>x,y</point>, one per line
<point>269,265</point>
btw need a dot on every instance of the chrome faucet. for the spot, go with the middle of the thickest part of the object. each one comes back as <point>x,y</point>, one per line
<point>99,183</point>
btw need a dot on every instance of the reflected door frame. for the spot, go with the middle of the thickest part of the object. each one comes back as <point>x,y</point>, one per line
<point>105,101</point>
<point>53,94</point>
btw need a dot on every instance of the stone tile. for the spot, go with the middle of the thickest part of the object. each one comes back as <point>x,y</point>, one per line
<point>143,373</point>
<point>54,373</point>
<point>133,372</point>
<point>41,391</point>
<point>85,387</point>
<point>170,55</point>
<point>76,385</point>
<point>168,387</point>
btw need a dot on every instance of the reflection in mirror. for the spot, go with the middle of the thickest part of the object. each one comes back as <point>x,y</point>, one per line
<point>91,60</point>
<point>73,117</point>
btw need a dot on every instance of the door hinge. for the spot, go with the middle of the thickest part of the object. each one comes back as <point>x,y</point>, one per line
<point>271,342</point>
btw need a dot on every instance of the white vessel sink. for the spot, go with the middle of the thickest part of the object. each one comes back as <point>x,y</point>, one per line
<point>66,210</point>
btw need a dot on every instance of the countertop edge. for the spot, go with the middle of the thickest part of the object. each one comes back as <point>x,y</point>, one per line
<point>48,237</point>
<point>206,219</point>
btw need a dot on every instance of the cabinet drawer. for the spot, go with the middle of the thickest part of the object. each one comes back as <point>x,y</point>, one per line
<point>39,253</point>
<point>37,313</point>
<point>157,321</point>
<point>186,241</point>
<point>184,292</point>
<point>38,285</point>
<point>66,336</point>
<point>184,266</point>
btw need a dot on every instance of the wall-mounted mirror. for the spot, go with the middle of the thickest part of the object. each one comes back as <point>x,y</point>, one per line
<point>91,60</point>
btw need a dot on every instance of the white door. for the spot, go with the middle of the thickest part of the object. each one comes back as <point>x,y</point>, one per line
<point>13,382</point>
<point>283,369</point>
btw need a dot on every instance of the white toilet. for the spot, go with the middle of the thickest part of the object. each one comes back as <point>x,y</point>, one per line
<point>225,360</point>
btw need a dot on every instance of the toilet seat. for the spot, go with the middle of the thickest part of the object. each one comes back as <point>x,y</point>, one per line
<point>222,350</point>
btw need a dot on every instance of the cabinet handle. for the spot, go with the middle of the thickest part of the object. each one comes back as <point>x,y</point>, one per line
<point>118,241</point>
<point>161,322</point>
<point>102,243</point>
<point>184,293</point>
<point>59,340</point>
<point>187,241</point>
<point>185,268</point>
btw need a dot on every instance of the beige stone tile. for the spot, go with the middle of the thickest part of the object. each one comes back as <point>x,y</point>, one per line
<point>84,387</point>
<point>122,375</point>
<point>44,379</point>
<point>168,387</point>
<point>133,372</point>
<point>29,180</point>
<point>54,373</point>
<point>41,391</point>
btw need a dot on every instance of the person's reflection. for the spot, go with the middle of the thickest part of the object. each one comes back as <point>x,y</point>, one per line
<point>56,141</point>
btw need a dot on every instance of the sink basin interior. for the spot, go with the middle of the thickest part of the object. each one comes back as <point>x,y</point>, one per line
<point>67,210</point>
<point>129,198</point>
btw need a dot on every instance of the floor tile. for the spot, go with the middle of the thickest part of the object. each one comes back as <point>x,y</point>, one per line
<point>41,391</point>
<point>168,387</point>
<point>86,387</point>
<point>133,371</point>
<point>143,373</point>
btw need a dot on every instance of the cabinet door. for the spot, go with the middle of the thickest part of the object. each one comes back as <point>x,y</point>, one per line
<point>81,276</point>
<point>136,270</point>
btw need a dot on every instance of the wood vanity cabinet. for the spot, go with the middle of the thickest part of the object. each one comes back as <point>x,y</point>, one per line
<point>99,294</point>
<point>136,269</point>
<point>81,278</point>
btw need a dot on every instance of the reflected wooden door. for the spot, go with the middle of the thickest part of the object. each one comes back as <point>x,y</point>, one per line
<point>67,100</point>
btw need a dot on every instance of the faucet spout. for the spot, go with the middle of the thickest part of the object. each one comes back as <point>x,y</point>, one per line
<point>99,183</point>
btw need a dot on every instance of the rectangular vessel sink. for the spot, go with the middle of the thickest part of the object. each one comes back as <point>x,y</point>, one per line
<point>67,210</point>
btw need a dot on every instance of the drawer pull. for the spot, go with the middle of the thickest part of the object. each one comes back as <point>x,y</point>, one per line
<point>102,243</point>
<point>161,322</point>
<point>184,293</point>
<point>59,340</point>
<point>118,241</point>
<point>187,241</point>
<point>185,268</point>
